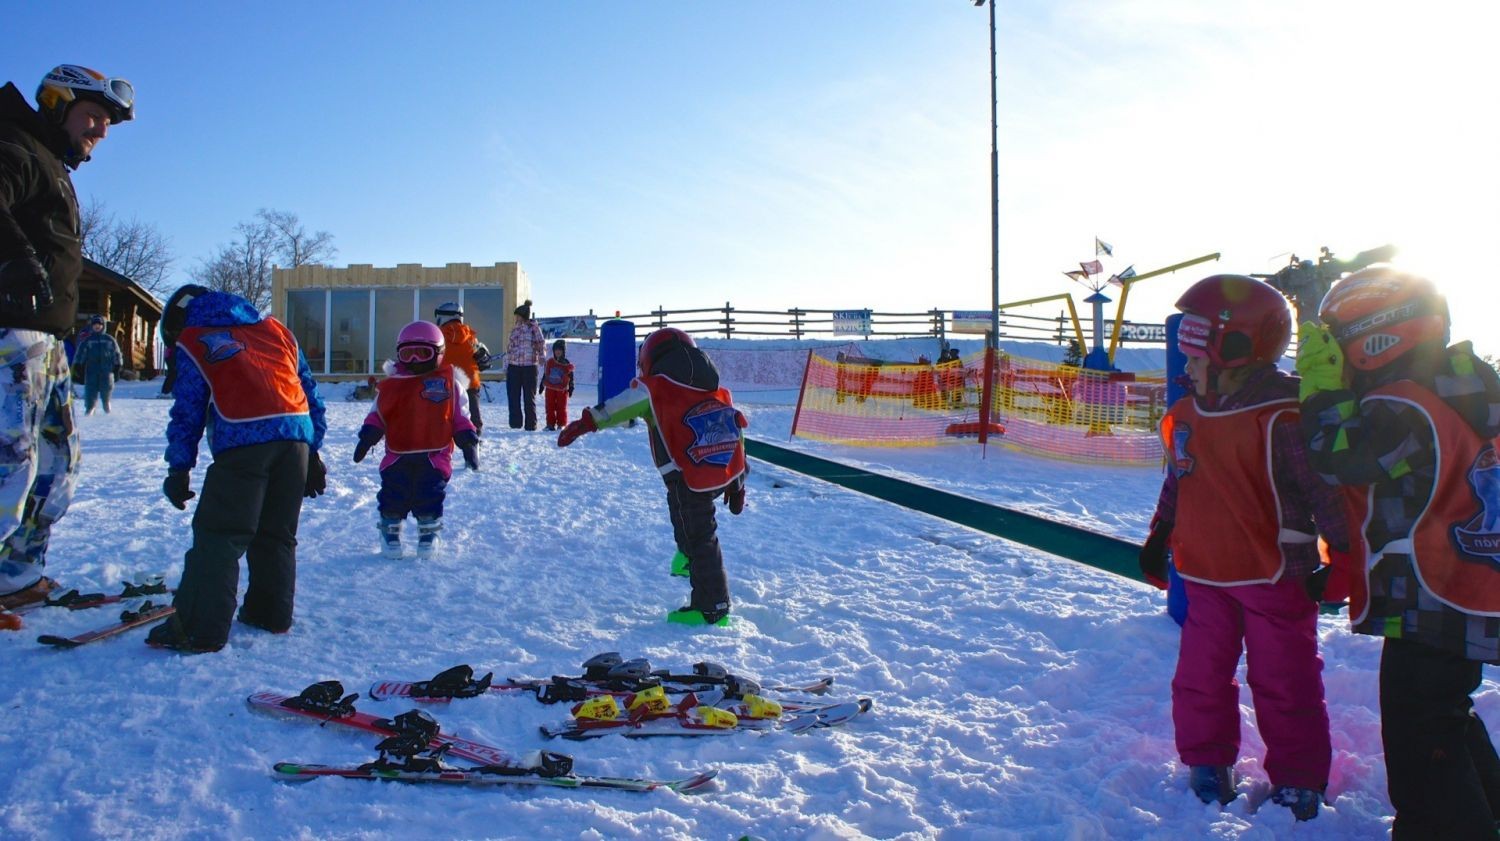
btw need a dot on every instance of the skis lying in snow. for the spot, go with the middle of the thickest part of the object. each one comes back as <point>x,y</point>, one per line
<point>483,776</point>
<point>605,674</point>
<point>321,702</point>
<point>144,615</point>
<point>414,743</point>
<point>692,718</point>
<point>74,600</point>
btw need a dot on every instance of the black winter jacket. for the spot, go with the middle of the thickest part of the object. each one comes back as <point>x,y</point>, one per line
<point>38,209</point>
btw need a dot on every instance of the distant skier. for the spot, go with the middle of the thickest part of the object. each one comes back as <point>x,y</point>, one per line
<point>1238,508</point>
<point>420,411</point>
<point>1409,426</point>
<point>99,357</point>
<point>698,445</point>
<point>557,385</point>
<point>463,350</point>
<point>241,377</point>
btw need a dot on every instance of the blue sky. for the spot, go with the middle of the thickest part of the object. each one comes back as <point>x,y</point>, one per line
<point>813,154</point>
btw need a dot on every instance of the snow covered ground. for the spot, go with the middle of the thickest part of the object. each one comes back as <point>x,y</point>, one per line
<point>1017,695</point>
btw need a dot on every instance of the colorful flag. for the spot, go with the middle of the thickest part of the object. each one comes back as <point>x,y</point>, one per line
<point>1102,247</point>
<point>1092,267</point>
<point>1079,276</point>
<point>1127,274</point>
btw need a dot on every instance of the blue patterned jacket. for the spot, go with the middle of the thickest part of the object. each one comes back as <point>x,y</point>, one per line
<point>193,411</point>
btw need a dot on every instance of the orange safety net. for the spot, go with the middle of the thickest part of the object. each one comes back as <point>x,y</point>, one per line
<point>1043,408</point>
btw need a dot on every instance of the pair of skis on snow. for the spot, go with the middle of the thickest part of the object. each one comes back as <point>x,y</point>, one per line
<point>143,614</point>
<point>413,745</point>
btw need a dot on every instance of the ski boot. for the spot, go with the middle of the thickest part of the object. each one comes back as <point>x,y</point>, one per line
<point>1303,802</point>
<point>390,538</point>
<point>688,615</point>
<point>1213,783</point>
<point>680,564</point>
<point>37,592</point>
<point>427,537</point>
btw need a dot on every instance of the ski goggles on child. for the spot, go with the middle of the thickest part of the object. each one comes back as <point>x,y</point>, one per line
<point>416,354</point>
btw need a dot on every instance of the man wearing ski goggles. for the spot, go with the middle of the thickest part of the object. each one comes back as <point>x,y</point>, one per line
<point>40,261</point>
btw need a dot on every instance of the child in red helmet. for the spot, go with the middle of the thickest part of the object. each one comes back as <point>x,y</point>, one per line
<point>421,411</point>
<point>557,385</point>
<point>697,441</point>
<point>1237,510</point>
<point>1408,426</point>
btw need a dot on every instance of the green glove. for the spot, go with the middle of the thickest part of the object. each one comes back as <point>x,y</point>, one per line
<point>1320,360</point>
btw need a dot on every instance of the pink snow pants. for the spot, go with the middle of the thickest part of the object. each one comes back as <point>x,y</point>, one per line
<point>1277,624</point>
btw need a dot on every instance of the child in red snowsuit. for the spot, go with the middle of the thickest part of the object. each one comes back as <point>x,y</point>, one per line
<point>557,385</point>
<point>1238,509</point>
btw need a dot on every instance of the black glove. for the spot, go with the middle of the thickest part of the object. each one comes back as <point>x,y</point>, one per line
<point>482,358</point>
<point>117,372</point>
<point>176,490</point>
<point>369,436</point>
<point>469,443</point>
<point>317,476</point>
<point>1153,556</point>
<point>24,287</point>
<point>734,495</point>
<point>570,389</point>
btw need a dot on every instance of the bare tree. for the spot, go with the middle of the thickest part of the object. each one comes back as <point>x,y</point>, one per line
<point>131,247</point>
<point>274,238</point>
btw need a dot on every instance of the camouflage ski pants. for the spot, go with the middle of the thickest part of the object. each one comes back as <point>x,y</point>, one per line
<point>38,451</point>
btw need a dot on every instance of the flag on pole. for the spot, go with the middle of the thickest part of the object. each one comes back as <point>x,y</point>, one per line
<point>1092,267</point>
<point>1080,276</point>
<point>1102,247</point>
<point>1119,279</point>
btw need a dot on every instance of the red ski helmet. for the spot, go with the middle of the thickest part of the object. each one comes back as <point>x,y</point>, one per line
<point>1234,321</point>
<point>1380,313</point>
<point>658,344</point>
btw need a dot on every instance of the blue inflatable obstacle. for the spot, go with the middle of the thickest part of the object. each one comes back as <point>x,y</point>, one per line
<point>616,357</point>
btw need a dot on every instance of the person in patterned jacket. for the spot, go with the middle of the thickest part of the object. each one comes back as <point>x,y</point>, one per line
<point>1408,425</point>
<point>697,442</point>
<point>523,353</point>
<point>243,379</point>
<point>419,411</point>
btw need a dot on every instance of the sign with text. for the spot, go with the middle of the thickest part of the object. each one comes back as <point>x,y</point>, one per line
<point>1155,333</point>
<point>971,321</point>
<point>568,327</point>
<point>851,322</point>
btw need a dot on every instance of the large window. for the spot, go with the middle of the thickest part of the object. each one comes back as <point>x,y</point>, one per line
<point>334,327</point>
<point>350,339</point>
<point>484,311</point>
<point>305,318</point>
<point>394,309</point>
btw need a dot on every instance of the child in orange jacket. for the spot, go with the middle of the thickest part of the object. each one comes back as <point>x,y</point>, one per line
<point>463,351</point>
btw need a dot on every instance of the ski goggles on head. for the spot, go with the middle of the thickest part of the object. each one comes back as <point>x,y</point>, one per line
<point>120,92</point>
<point>416,354</point>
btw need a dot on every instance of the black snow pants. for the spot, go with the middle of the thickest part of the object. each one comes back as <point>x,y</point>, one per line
<point>1441,769</point>
<point>249,505</point>
<point>697,534</point>
<point>520,393</point>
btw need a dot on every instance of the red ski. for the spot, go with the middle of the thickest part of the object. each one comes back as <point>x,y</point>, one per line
<point>144,615</point>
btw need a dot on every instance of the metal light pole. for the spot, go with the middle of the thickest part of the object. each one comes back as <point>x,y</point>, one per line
<point>992,343</point>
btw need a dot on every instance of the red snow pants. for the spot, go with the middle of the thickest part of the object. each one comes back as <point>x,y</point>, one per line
<point>557,407</point>
<point>1276,626</point>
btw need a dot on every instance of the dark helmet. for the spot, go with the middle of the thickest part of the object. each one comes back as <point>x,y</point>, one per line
<point>1234,321</point>
<point>174,314</point>
<point>560,345</point>
<point>1380,313</point>
<point>96,319</point>
<point>659,344</point>
<point>68,83</point>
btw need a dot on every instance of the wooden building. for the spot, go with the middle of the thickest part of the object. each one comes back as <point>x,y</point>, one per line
<point>346,319</point>
<point>131,315</point>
